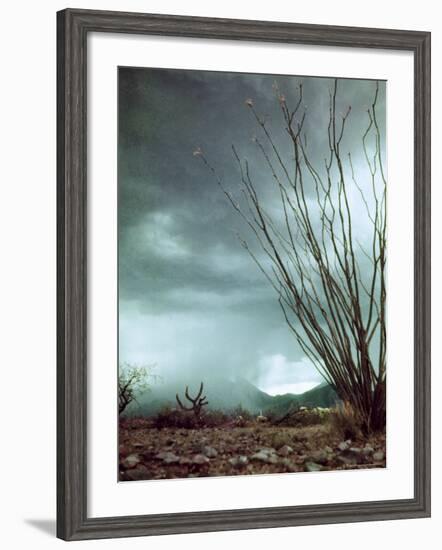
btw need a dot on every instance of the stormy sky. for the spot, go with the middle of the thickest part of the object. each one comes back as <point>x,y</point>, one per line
<point>191,300</point>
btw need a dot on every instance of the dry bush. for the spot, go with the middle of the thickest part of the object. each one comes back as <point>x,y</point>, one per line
<point>173,418</point>
<point>345,420</point>
<point>133,380</point>
<point>302,417</point>
<point>272,416</point>
<point>214,418</point>
<point>311,417</point>
<point>134,422</point>
<point>240,411</point>
<point>177,418</point>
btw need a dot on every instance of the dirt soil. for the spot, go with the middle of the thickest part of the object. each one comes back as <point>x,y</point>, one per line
<point>150,453</point>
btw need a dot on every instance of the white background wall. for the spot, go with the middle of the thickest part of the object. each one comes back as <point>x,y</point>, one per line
<point>27,273</point>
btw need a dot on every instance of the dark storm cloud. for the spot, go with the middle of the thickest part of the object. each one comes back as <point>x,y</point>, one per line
<point>180,261</point>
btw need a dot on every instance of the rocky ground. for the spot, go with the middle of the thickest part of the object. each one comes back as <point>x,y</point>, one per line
<point>150,453</point>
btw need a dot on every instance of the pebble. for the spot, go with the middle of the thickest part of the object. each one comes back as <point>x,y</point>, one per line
<point>238,461</point>
<point>353,455</point>
<point>200,459</point>
<point>312,467</point>
<point>131,461</point>
<point>320,457</point>
<point>210,452</point>
<point>344,445</point>
<point>378,456</point>
<point>285,450</point>
<point>367,450</point>
<point>168,457</point>
<point>347,460</point>
<point>265,456</point>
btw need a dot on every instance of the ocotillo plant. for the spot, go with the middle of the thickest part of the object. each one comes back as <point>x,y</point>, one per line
<point>330,286</point>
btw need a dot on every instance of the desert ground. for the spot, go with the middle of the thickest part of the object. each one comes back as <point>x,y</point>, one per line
<point>149,449</point>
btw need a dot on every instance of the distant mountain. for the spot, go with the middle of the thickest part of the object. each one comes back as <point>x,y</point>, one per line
<point>320,396</point>
<point>226,394</point>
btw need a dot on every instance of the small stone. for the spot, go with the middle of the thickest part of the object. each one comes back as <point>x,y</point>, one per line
<point>185,460</point>
<point>285,450</point>
<point>270,450</point>
<point>328,449</point>
<point>264,456</point>
<point>353,455</point>
<point>343,446</point>
<point>200,459</point>
<point>320,457</point>
<point>210,452</point>
<point>347,460</point>
<point>239,461</point>
<point>167,457</point>
<point>379,456</point>
<point>131,461</point>
<point>367,450</point>
<point>312,467</point>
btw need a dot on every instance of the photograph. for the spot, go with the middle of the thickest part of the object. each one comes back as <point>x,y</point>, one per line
<point>219,246</point>
<point>252,267</point>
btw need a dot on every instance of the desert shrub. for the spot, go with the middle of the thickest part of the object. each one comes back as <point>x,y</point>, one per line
<point>134,422</point>
<point>310,417</point>
<point>345,420</point>
<point>241,411</point>
<point>133,380</point>
<point>302,417</point>
<point>177,418</point>
<point>174,418</point>
<point>214,418</point>
<point>272,416</point>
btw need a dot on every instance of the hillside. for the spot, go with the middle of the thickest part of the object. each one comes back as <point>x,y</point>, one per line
<point>225,394</point>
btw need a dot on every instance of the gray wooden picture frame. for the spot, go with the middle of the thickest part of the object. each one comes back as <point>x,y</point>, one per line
<point>73,26</point>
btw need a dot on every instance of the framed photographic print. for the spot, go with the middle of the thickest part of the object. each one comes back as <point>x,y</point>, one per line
<point>243,274</point>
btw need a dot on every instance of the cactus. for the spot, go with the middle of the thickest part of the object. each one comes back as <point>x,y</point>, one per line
<point>198,402</point>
